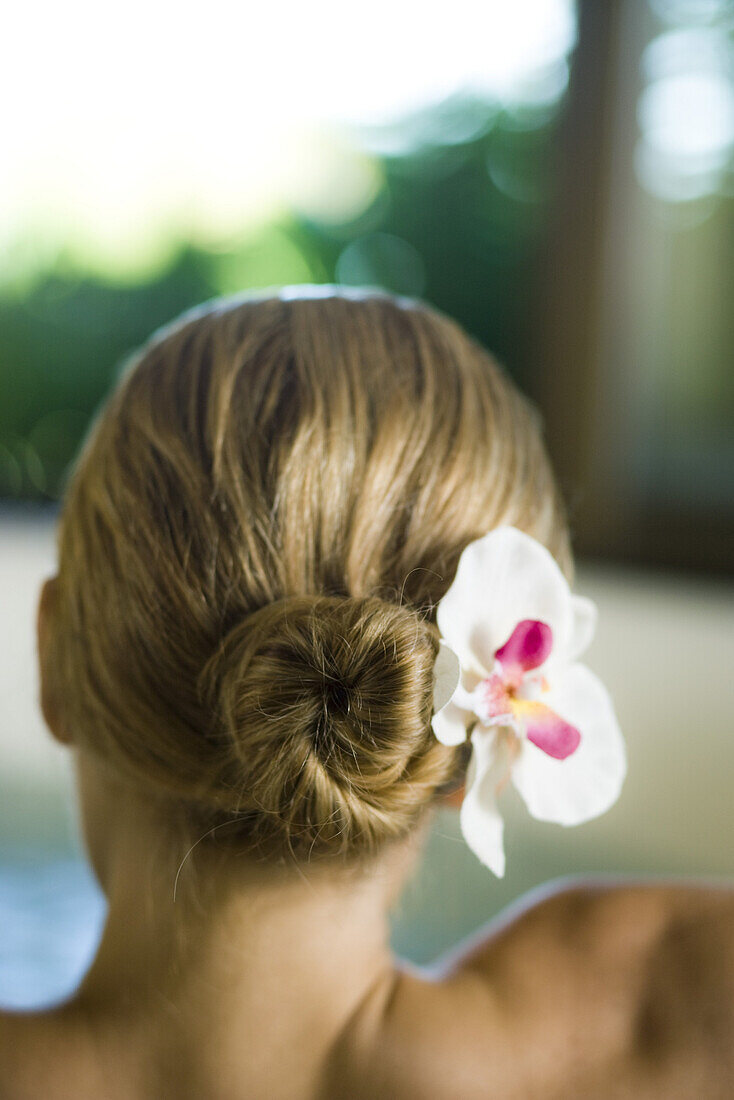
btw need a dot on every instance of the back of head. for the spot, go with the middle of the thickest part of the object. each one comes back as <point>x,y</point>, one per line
<point>257,531</point>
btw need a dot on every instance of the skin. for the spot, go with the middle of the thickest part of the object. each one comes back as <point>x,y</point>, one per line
<point>258,980</point>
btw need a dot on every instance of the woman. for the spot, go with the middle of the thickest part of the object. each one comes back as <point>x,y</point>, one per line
<point>240,649</point>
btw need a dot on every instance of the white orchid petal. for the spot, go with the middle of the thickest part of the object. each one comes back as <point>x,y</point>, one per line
<point>449,724</point>
<point>587,782</point>
<point>447,672</point>
<point>585,615</point>
<point>502,578</point>
<point>481,822</point>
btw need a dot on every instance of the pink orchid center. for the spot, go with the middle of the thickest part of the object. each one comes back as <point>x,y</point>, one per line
<point>510,693</point>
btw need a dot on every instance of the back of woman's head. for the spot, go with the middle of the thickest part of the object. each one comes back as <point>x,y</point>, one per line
<point>252,544</point>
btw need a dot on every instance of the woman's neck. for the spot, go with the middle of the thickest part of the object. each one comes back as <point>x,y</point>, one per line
<point>291,954</point>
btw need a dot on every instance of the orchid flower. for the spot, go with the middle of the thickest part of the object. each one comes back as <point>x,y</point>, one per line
<point>511,631</point>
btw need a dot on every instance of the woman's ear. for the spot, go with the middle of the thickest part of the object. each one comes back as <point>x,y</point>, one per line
<point>50,703</point>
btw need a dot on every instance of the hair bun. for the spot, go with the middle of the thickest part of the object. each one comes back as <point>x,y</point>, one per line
<point>324,706</point>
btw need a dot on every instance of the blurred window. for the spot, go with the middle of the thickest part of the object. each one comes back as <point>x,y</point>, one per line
<point>556,176</point>
<point>332,145</point>
<point>650,462</point>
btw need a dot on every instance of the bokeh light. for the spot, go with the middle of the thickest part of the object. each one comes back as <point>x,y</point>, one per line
<point>686,108</point>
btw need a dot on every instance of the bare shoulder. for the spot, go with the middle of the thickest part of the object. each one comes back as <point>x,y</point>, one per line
<point>583,990</point>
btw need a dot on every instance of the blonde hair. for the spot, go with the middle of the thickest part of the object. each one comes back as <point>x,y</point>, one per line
<point>252,544</point>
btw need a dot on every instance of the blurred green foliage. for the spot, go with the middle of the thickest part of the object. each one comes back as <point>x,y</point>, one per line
<point>460,221</point>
